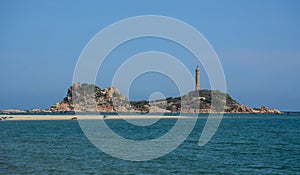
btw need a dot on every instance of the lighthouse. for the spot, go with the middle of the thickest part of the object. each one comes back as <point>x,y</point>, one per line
<point>197,78</point>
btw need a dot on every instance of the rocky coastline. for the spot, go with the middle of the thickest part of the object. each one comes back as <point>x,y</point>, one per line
<point>91,98</point>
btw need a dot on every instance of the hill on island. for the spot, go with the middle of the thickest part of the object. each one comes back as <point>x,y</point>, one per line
<point>89,97</point>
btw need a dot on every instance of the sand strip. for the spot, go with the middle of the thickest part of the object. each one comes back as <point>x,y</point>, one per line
<point>86,117</point>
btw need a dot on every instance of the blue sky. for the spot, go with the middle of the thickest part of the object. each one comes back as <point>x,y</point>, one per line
<point>258,43</point>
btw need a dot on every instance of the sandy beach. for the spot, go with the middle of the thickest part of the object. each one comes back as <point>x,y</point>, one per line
<point>86,117</point>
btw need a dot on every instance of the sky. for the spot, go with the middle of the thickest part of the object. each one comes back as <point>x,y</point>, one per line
<point>258,44</point>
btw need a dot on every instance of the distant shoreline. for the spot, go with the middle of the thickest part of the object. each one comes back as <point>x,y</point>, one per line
<point>45,117</point>
<point>87,117</point>
<point>72,113</point>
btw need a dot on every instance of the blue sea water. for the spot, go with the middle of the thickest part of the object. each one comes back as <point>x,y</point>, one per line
<point>243,144</point>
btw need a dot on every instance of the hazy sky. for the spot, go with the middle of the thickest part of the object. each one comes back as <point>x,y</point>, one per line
<point>258,43</point>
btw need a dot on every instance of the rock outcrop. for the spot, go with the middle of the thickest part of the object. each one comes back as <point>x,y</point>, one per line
<point>7,111</point>
<point>88,97</point>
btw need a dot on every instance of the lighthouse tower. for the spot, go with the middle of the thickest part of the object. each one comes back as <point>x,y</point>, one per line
<point>197,78</point>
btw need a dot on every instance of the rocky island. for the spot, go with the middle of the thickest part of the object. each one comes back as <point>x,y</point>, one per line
<point>92,98</point>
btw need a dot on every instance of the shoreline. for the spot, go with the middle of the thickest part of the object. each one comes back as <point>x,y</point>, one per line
<point>42,117</point>
<point>85,117</point>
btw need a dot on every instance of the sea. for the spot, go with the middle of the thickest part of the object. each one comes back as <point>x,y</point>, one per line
<point>243,144</point>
